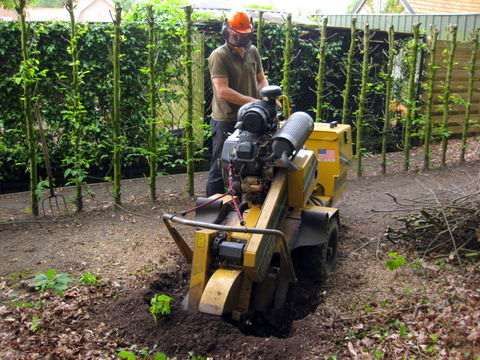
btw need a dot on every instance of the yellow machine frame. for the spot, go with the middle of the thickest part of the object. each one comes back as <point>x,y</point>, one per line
<point>223,290</point>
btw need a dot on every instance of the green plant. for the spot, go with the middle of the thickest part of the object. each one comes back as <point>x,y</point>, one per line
<point>471,77</point>
<point>378,354</point>
<point>388,95</point>
<point>116,126</point>
<point>160,356</point>
<point>446,89</point>
<point>28,76</point>
<point>395,261</point>
<point>160,305</point>
<point>20,304</point>
<point>35,323</point>
<point>88,278</point>
<point>152,99</point>
<point>368,308</point>
<point>192,356</point>
<point>78,161</point>
<point>189,123</point>
<point>416,265</point>
<point>126,355</point>
<point>363,98</point>
<point>401,327</point>
<point>42,185</point>
<point>52,280</point>
<point>348,72</point>
<point>321,70</point>
<point>412,87</point>
<point>287,59</point>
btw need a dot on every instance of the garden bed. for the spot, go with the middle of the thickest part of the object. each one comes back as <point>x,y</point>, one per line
<point>364,308</point>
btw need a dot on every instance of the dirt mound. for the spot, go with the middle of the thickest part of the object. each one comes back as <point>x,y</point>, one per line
<point>182,332</point>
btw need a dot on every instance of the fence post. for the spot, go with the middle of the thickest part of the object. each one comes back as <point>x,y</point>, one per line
<point>27,106</point>
<point>152,94</point>
<point>348,76</point>
<point>362,98</point>
<point>388,95</point>
<point>287,58</point>
<point>471,79</point>
<point>260,33</point>
<point>412,86</point>
<point>321,69</point>
<point>189,122</point>
<point>432,68</point>
<point>116,106</point>
<point>446,91</point>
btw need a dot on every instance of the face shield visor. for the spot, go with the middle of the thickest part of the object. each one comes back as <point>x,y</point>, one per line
<point>237,39</point>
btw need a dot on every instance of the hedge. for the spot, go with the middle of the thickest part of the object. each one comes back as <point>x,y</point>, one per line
<point>95,59</point>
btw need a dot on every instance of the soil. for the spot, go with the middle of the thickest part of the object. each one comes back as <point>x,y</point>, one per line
<point>132,252</point>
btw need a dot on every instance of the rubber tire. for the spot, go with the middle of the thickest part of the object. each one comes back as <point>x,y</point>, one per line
<point>317,262</point>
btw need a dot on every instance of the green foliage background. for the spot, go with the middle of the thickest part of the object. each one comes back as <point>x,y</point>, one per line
<point>95,60</point>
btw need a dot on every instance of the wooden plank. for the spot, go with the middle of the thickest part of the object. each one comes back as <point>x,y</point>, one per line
<point>456,87</point>
<point>437,109</point>
<point>475,99</point>
<point>457,130</point>
<point>456,119</point>
<point>458,78</point>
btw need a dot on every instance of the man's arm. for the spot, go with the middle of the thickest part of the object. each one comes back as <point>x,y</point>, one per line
<point>261,80</point>
<point>226,93</point>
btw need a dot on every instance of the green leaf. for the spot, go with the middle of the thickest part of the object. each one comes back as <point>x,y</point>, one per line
<point>126,355</point>
<point>160,305</point>
<point>395,261</point>
<point>35,324</point>
<point>51,280</point>
<point>88,278</point>
<point>160,356</point>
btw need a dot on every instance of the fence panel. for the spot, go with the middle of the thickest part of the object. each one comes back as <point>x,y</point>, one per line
<point>459,87</point>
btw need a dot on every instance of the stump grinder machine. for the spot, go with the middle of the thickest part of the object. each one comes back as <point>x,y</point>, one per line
<point>275,219</point>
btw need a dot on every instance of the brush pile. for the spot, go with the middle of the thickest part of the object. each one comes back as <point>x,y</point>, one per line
<point>441,228</point>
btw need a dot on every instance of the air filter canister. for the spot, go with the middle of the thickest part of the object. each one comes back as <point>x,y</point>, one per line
<point>292,135</point>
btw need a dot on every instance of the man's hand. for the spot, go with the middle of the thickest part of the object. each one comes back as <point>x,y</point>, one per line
<point>224,92</point>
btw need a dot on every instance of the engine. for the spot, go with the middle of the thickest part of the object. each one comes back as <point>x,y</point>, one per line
<point>259,145</point>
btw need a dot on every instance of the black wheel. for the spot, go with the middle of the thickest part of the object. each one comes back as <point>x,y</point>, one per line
<point>316,262</point>
<point>330,249</point>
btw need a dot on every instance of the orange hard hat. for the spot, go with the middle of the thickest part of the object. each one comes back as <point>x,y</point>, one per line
<point>240,22</point>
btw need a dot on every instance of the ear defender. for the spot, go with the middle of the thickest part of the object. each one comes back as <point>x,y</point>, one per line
<point>224,30</point>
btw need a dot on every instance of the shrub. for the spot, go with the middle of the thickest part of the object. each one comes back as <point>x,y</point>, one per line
<point>160,305</point>
<point>52,280</point>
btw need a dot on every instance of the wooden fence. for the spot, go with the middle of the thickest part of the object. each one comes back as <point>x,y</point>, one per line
<point>459,86</point>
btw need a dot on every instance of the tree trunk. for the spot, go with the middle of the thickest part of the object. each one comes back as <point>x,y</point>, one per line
<point>116,106</point>
<point>287,58</point>
<point>446,91</point>
<point>471,79</point>
<point>75,104</point>
<point>321,69</point>
<point>260,33</point>
<point>363,98</point>
<point>388,96</point>
<point>189,122</point>
<point>152,97</point>
<point>432,69</point>
<point>27,107</point>
<point>348,70</point>
<point>412,86</point>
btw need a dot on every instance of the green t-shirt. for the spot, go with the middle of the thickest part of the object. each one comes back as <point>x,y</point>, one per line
<point>241,74</point>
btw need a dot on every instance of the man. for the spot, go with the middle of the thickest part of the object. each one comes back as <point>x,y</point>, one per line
<point>237,76</point>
